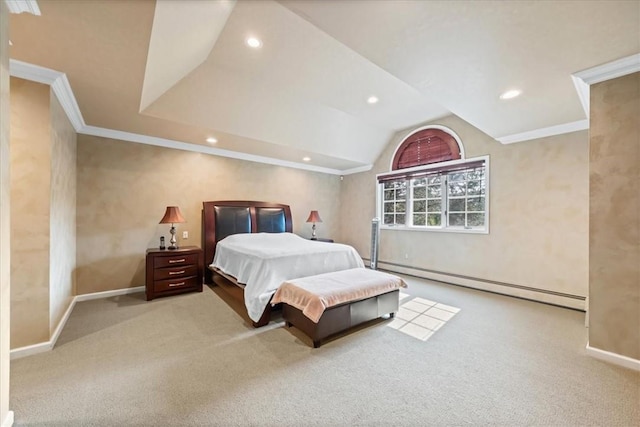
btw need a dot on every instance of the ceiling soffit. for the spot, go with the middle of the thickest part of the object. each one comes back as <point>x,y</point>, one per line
<point>182,37</point>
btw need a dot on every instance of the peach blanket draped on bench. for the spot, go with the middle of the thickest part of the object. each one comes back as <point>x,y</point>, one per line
<point>313,294</point>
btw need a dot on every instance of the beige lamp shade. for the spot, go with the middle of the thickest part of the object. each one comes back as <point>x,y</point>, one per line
<point>172,216</point>
<point>314,216</point>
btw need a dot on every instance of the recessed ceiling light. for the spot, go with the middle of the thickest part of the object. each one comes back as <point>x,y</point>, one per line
<point>510,94</point>
<point>306,159</point>
<point>212,140</point>
<point>254,42</point>
<point>372,99</point>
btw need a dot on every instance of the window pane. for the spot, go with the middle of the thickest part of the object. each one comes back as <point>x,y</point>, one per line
<point>457,189</point>
<point>475,204</point>
<point>401,193</point>
<point>475,188</point>
<point>476,173</point>
<point>419,206</point>
<point>434,219</point>
<point>419,182</point>
<point>457,176</point>
<point>388,219</point>
<point>419,192</point>
<point>434,191</point>
<point>401,206</point>
<point>434,205</point>
<point>456,219</point>
<point>475,219</point>
<point>400,219</point>
<point>388,207</point>
<point>388,194</point>
<point>388,185</point>
<point>437,179</point>
<point>456,205</point>
<point>419,219</point>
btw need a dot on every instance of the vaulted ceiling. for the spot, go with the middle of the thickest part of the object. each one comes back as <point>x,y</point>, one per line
<point>182,71</point>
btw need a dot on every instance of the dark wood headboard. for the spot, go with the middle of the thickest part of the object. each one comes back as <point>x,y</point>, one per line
<point>223,218</point>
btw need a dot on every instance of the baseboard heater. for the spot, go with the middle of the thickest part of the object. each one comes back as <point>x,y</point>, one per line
<point>553,297</point>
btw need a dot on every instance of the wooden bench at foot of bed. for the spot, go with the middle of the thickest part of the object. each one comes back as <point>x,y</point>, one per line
<point>326,304</point>
<point>342,317</point>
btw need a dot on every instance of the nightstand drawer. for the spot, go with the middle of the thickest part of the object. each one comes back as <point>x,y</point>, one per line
<point>175,272</point>
<point>174,284</point>
<point>175,260</point>
<point>172,272</point>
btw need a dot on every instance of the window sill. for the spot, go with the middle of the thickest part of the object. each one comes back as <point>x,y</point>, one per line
<point>436,230</point>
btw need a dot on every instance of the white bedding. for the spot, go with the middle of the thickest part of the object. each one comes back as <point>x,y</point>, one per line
<point>262,261</point>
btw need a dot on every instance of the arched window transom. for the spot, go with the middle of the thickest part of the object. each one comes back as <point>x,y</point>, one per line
<point>424,147</point>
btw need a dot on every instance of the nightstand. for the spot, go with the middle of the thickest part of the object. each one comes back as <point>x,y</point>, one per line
<point>171,272</point>
<point>320,239</point>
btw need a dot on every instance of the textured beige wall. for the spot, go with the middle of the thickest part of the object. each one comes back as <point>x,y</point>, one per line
<point>63,213</point>
<point>124,188</point>
<point>538,216</point>
<point>30,204</point>
<point>614,269</point>
<point>5,226</point>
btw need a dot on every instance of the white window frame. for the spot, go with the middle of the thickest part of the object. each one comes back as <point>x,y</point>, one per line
<point>443,228</point>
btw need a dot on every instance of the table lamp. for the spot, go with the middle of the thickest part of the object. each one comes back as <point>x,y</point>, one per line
<point>314,217</point>
<point>172,216</point>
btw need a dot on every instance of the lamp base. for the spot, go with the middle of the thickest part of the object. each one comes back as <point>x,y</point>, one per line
<point>173,240</point>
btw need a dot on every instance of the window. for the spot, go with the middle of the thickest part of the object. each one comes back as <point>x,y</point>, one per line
<point>443,193</point>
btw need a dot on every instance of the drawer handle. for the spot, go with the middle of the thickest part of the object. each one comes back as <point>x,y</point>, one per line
<point>171,285</point>
<point>173,261</point>
<point>176,272</point>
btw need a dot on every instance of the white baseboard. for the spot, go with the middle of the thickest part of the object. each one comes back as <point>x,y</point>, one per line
<point>615,358</point>
<point>109,294</point>
<point>29,350</point>
<point>8,421</point>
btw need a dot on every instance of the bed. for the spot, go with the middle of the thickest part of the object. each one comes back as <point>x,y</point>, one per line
<point>243,267</point>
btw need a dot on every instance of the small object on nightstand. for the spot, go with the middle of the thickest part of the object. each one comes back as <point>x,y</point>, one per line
<point>173,272</point>
<point>162,246</point>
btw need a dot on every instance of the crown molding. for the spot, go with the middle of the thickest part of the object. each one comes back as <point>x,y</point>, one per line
<point>197,148</point>
<point>20,6</point>
<point>62,89</point>
<point>58,82</point>
<point>32,72</point>
<point>584,93</point>
<point>610,70</point>
<point>359,169</point>
<point>582,81</point>
<point>544,132</point>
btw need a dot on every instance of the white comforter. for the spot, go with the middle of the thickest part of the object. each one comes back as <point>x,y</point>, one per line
<point>262,261</point>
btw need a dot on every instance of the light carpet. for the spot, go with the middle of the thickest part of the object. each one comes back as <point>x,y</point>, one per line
<point>192,360</point>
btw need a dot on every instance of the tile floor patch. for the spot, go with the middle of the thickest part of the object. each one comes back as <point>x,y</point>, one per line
<point>428,322</point>
<point>416,331</point>
<point>405,314</point>
<point>415,306</point>
<point>424,301</point>
<point>421,318</point>
<point>447,308</point>
<point>439,313</point>
<point>397,323</point>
